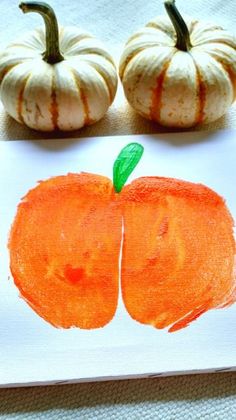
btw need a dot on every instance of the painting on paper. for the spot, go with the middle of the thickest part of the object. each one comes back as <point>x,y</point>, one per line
<point>177,258</point>
<point>139,241</point>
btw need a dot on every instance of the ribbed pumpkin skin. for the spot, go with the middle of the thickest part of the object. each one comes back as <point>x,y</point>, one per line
<point>66,96</point>
<point>177,88</point>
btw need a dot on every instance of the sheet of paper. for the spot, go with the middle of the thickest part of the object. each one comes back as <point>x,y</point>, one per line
<point>32,352</point>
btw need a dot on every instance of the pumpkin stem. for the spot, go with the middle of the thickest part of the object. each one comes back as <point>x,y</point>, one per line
<point>52,53</point>
<point>125,163</point>
<point>183,37</point>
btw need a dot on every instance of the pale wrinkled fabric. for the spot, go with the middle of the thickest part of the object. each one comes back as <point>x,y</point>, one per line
<point>204,397</point>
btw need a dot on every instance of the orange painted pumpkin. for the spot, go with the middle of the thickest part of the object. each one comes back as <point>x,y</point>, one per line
<point>177,259</point>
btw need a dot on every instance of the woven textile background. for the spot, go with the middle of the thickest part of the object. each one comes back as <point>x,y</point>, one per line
<point>192,397</point>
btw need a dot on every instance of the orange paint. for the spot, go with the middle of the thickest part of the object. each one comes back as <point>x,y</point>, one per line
<point>178,262</point>
<point>177,259</point>
<point>74,275</point>
<point>64,247</point>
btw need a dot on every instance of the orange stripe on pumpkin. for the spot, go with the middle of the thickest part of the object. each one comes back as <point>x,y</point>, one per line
<point>87,119</point>
<point>156,99</point>
<point>21,99</point>
<point>105,78</point>
<point>6,70</point>
<point>201,97</point>
<point>54,107</point>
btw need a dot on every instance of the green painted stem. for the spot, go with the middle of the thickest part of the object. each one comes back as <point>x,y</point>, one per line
<point>52,53</point>
<point>125,163</point>
<point>183,38</point>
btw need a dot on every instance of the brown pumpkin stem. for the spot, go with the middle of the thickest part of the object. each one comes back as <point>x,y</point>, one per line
<point>183,37</point>
<point>52,53</point>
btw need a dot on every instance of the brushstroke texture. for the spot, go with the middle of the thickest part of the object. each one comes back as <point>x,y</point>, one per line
<point>177,259</point>
<point>64,247</point>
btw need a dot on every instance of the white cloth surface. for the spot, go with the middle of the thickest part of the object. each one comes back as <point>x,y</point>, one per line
<point>192,397</point>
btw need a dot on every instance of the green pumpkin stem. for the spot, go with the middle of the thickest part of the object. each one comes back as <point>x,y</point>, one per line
<point>52,53</point>
<point>183,37</point>
<point>125,163</point>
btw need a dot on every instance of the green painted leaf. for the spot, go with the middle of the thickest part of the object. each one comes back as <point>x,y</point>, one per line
<point>125,163</point>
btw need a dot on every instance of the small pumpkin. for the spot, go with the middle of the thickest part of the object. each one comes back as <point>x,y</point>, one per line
<point>62,79</point>
<point>179,73</point>
<point>176,260</point>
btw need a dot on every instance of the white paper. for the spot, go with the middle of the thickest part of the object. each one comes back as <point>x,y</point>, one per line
<point>31,350</point>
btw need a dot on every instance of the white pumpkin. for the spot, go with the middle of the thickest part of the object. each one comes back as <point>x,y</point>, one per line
<point>63,79</point>
<point>178,74</point>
